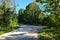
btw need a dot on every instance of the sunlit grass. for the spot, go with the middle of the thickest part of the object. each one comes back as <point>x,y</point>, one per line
<point>5,30</point>
<point>2,32</point>
<point>49,34</point>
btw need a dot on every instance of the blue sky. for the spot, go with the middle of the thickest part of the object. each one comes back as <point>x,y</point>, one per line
<point>22,4</point>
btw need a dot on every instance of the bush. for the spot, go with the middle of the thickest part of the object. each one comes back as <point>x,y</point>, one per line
<point>52,20</point>
<point>8,19</point>
<point>49,34</point>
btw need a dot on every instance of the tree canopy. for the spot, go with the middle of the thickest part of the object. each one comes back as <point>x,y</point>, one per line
<point>31,15</point>
<point>53,7</point>
<point>8,18</point>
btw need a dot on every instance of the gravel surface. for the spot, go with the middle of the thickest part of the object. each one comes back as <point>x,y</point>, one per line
<point>25,32</point>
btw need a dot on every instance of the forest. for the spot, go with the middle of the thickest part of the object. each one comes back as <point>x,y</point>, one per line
<point>33,15</point>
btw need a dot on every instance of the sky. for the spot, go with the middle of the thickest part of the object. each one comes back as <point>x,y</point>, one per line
<point>22,4</point>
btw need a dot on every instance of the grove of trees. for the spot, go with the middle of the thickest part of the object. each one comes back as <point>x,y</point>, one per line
<point>53,7</point>
<point>31,15</point>
<point>35,16</point>
<point>52,20</point>
<point>50,16</point>
<point>8,18</point>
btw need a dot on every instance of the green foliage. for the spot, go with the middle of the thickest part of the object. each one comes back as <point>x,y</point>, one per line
<point>49,34</point>
<point>5,29</point>
<point>20,15</point>
<point>31,15</point>
<point>53,7</point>
<point>52,20</point>
<point>8,18</point>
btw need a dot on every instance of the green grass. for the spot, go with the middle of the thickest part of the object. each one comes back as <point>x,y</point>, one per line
<point>1,32</point>
<point>5,30</point>
<point>49,34</point>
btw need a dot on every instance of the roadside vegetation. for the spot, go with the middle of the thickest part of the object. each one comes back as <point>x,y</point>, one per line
<point>49,16</point>
<point>52,20</point>
<point>49,34</point>
<point>33,15</point>
<point>8,18</point>
<point>53,30</point>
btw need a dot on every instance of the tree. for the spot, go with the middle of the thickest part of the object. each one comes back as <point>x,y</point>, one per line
<point>32,14</point>
<point>53,7</point>
<point>9,3</point>
<point>2,11</point>
<point>20,15</point>
<point>9,18</point>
